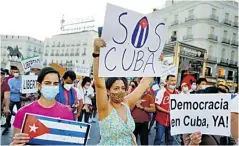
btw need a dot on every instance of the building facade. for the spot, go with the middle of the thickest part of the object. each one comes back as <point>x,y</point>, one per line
<point>28,47</point>
<point>70,48</point>
<point>212,25</point>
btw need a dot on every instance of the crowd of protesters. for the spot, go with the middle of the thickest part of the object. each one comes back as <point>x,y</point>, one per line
<point>127,108</point>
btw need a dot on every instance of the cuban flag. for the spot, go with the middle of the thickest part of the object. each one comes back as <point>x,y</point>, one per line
<point>140,33</point>
<point>44,130</point>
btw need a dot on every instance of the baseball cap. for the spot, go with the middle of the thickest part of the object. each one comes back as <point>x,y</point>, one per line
<point>36,65</point>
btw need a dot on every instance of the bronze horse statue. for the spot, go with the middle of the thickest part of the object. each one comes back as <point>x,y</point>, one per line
<point>14,52</point>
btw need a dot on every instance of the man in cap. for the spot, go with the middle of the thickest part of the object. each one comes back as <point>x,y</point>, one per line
<point>35,69</point>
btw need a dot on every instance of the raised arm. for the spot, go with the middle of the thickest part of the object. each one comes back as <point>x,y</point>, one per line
<point>133,97</point>
<point>101,93</point>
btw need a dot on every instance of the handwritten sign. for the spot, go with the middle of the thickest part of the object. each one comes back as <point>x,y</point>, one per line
<point>82,69</point>
<point>207,113</point>
<point>134,42</point>
<point>27,63</point>
<point>29,84</point>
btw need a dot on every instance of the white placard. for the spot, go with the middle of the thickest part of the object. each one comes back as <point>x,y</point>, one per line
<point>134,43</point>
<point>27,63</point>
<point>29,84</point>
<point>82,69</point>
<point>207,113</point>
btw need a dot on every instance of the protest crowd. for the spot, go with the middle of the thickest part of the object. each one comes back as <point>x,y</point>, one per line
<point>127,108</point>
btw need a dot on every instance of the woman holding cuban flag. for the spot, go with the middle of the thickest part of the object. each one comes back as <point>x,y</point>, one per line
<point>48,87</point>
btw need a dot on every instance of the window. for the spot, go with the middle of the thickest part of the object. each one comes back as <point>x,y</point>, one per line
<point>227,16</point>
<point>84,50</point>
<point>190,12</point>
<point>214,11</point>
<point>83,62</point>
<point>76,61</point>
<point>232,55</point>
<point>208,71</point>
<point>176,17</point>
<point>236,19</point>
<point>189,30</point>
<point>230,74</point>
<point>225,34</point>
<point>212,29</point>
<point>210,50</point>
<point>234,36</point>
<point>223,53</point>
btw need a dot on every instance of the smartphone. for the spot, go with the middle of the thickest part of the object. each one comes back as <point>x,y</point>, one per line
<point>100,31</point>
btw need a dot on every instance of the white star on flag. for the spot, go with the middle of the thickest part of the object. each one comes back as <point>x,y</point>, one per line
<point>33,128</point>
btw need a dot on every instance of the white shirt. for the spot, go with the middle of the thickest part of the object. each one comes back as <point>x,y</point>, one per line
<point>79,93</point>
<point>87,92</point>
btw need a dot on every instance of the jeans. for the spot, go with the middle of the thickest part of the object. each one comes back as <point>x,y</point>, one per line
<point>160,131</point>
<point>86,116</point>
<point>141,129</point>
<point>11,106</point>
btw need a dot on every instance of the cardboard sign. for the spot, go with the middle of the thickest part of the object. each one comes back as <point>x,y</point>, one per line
<point>59,68</point>
<point>82,69</point>
<point>134,42</point>
<point>44,130</point>
<point>207,113</point>
<point>27,63</point>
<point>29,84</point>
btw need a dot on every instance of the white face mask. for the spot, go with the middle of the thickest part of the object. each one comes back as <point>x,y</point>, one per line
<point>194,87</point>
<point>185,89</point>
<point>68,86</point>
<point>87,87</point>
<point>16,74</point>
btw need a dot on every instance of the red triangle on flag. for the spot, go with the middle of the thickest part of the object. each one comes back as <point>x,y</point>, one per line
<point>34,127</point>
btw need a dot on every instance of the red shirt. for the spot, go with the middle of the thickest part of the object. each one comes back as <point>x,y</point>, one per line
<point>4,88</point>
<point>9,77</point>
<point>162,99</point>
<point>141,116</point>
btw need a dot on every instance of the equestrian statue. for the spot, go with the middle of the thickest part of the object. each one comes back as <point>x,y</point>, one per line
<point>14,52</point>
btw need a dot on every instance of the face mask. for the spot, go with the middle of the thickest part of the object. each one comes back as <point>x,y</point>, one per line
<point>16,74</point>
<point>87,87</point>
<point>50,92</point>
<point>172,87</point>
<point>203,87</point>
<point>68,86</point>
<point>185,89</point>
<point>117,97</point>
<point>194,87</point>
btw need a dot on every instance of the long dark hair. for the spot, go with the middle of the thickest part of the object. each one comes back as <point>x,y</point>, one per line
<point>110,81</point>
<point>85,80</point>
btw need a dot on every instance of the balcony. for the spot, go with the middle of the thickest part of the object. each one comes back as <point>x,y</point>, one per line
<point>213,17</point>
<point>53,45</point>
<point>73,45</point>
<point>175,22</point>
<point>46,54</point>
<point>63,45</point>
<point>29,49</point>
<point>52,54</point>
<point>225,61</point>
<point>78,44</point>
<point>225,40</point>
<point>57,54</point>
<point>235,24</point>
<point>212,59</point>
<point>231,62</point>
<point>66,54</point>
<point>72,54</point>
<point>188,37</point>
<point>58,45</point>
<point>47,45</point>
<point>212,37</point>
<point>189,18</point>
<point>234,43</point>
<point>77,54</point>
<point>83,54</point>
<point>227,21</point>
<point>62,54</point>
<point>68,45</point>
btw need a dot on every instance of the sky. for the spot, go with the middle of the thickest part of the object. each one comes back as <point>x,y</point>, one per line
<point>41,18</point>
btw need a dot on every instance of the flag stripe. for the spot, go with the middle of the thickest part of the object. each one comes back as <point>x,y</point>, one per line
<point>48,142</point>
<point>140,37</point>
<point>53,137</point>
<point>61,121</point>
<point>55,125</point>
<point>67,133</point>
<point>135,33</point>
